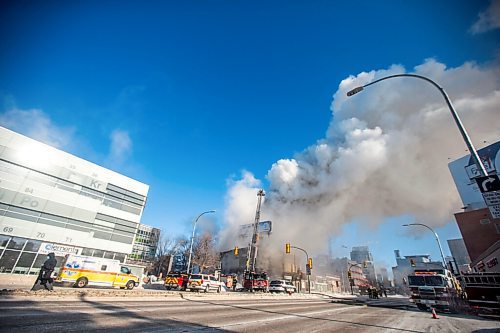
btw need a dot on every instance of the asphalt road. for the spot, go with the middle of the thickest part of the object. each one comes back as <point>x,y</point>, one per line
<point>219,313</point>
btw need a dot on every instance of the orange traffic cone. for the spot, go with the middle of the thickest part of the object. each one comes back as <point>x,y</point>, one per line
<point>434,315</point>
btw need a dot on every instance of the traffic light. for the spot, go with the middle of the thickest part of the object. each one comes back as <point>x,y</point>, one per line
<point>310,263</point>
<point>287,248</point>
<point>236,250</point>
<point>308,269</point>
<point>365,264</point>
<point>412,263</point>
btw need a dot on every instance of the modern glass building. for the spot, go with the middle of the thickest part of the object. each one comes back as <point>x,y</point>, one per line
<point>52,201</point>
<point>145,245</point>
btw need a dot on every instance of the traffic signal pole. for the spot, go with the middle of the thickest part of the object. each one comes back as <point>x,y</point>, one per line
<point>308,271</point>
<point>349,275</point>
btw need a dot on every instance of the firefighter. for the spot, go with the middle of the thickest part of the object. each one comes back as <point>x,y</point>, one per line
<point>44,277</point>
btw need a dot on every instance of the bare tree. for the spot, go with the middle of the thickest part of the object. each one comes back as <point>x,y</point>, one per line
<point>167,248</point>
<point>205,254</point>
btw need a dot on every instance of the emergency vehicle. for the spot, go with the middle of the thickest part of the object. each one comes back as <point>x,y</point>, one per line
<point>204,282</point>
<point>435,288</point>
<point>83,270</point>
<point>256,281</point>
<point>177,281</point>
<point>482,291</point>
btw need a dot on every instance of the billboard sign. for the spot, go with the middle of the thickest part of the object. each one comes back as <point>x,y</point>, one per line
<point>465,172</point>
<point>246,230</point>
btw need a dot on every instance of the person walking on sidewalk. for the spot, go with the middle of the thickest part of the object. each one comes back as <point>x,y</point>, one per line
<point>44,277</point>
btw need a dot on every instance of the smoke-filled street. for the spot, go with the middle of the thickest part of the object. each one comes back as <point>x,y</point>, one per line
<point>220,313</point>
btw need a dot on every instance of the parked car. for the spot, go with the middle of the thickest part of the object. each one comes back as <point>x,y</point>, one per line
<point>204,282</point>
<point>281,286</point>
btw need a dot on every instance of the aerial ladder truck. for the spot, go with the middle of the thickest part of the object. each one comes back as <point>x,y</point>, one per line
<point>253,280</point>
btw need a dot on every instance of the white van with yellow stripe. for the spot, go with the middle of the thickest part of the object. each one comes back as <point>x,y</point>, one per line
<point>83,270</point>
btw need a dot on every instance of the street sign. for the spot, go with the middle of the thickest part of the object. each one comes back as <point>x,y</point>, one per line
<point>495,211</point>
<point>488,183</point>
<point>490,189</point>
<point>492,198</point>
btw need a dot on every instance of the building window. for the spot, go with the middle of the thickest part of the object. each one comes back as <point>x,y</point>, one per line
<point>40,259</point>
<point>3,241</point>
<point>109,255</point>
<point>16,243</point>
<point>8,260</point>
<point>32,245</point>
<point>120,257</point>
<point>87,252</point>
<point>24,263</point>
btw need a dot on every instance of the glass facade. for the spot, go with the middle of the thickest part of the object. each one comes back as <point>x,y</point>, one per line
<point>23,256</point>
<point>145,244</point>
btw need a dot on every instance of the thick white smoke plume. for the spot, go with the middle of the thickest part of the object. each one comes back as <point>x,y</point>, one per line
<point>385,154</point>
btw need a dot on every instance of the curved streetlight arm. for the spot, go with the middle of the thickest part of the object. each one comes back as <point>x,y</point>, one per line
<point>461,128</point>
<point>435,234</point>
<point>298,248</point>
<point>192,238</point>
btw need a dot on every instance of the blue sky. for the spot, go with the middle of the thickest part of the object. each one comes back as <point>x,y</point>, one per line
<point>184,96</point>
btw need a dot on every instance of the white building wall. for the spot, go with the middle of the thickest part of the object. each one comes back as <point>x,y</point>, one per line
<point>37,179</point>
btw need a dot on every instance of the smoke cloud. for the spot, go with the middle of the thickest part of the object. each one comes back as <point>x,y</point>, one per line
<point>120,146</point>
<point>385,154</point>
<point>488,19</point>
<point>37,125</point>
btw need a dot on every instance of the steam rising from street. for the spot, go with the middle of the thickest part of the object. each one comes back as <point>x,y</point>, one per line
<point>385,154</point>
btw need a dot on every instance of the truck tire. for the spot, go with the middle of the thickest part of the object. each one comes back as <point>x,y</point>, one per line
<point>130,285</point>
<point>81,282</point>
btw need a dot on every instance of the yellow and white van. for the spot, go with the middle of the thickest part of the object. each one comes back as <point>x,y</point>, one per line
<point>84,270</point>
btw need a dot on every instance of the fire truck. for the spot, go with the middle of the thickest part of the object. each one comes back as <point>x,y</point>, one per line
<point>256,281</point>
<point>439,289</point>
<point>252,280</point>
<point>177,281</point>
<point>483,292</point>
<point>435,288</point>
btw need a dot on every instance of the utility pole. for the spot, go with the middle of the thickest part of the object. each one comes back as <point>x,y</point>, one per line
<point>252,253</point>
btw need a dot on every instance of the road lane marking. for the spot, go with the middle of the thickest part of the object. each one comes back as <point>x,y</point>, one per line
<point>287,316</point>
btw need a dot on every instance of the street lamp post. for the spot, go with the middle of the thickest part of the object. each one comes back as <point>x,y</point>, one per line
<point>192,238</point>
<point>461,128</point>
<point>342,273</point>
<point>307,263</point>
<point>437,239</point>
